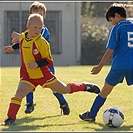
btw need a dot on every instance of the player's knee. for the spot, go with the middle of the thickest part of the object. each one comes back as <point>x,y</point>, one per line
<point>68,89</point>
<point>64,89</point>
<point>104,94</point>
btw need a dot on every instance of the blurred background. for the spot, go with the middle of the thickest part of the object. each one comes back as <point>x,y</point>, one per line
<point>78,30</point>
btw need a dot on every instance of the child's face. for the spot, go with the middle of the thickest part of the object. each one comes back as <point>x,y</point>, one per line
<point>115,20</point>
<point>40,12</point>
<point>34,29</point>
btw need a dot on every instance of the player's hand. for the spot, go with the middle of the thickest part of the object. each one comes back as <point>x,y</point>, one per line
<point>32,65</point>
<point>96,69</point>
<point>8,49</point>
<point>15,37</point>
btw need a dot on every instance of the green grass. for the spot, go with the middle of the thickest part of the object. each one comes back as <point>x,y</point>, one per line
<point>47,114</point>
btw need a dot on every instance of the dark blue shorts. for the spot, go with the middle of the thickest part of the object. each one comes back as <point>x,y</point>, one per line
<point>117,76</point>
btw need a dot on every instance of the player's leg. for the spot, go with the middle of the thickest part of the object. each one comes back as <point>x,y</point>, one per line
<point>97,104</point>
<point>29,103</point>
<point>60,87</point>
<point>61,99</point>
<point>23,89</point>
<point>63,103</point>
<point>112,79</point>
<point>72,87</point>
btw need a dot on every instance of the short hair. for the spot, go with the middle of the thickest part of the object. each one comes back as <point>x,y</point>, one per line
<point>116,8</point>
<point>35,17</point>
<point>36,6</point>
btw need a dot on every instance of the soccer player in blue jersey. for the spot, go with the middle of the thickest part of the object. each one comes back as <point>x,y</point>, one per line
<point>120,47</point>
<point>40,8</point>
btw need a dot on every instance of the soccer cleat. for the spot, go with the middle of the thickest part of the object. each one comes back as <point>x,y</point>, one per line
<point>8,121</point>
<point>85,116</point>
<point>65,109</point>
<point>92,88</point>
<point>29,108</point>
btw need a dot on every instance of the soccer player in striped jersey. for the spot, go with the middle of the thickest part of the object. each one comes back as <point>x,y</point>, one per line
<point>40,8</point>
<point>120,47</point>
<point>35,58</point>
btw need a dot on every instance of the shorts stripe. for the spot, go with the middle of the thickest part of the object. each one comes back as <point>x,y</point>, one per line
<point>49,83</point>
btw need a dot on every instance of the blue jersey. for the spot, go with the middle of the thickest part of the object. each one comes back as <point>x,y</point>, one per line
<point>46,34</point>
<point>121,41</point>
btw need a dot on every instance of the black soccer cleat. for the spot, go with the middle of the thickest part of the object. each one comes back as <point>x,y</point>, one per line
<point>65,109</point>
<point>85,117</point>
<point>29,108</point>
<point>91,88</point>
<point>8,121</point>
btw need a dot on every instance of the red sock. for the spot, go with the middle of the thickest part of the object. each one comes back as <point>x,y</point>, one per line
<point>76,87</point>
<point>14,107</point>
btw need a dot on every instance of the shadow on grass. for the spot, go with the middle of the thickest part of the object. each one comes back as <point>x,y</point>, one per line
<point>106,128</point>
<point>21,124</point>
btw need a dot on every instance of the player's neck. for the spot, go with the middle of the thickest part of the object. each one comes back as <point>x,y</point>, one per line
<point>122,19</point>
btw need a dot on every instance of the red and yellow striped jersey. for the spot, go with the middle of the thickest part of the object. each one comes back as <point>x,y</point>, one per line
<point>32,50</point>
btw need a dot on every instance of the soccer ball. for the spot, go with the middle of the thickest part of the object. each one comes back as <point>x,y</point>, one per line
<point>113,117</point>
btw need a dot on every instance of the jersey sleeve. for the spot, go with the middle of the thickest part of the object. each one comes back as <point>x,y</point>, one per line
<point>45,33</point>
<point>44,48</point>
<point>112,39</point>
<point>16,45</point>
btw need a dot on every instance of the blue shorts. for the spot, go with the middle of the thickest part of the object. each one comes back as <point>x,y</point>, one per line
<point>117,76</point>
<point>52,69</point>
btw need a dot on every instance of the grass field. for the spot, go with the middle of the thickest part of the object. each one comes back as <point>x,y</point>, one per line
<point>47,114</point>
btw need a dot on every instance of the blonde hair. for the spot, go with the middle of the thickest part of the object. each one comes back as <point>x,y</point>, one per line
<point>35,18</point>
<point>36,6</point>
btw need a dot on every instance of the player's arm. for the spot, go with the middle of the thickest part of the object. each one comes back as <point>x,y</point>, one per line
<point>42,62</point>
<point>45,52</point>
<point>39,63</point>
<point>11,48</point>
<point>15,46</point>
<point>15,37</point>
<point>105,58</point>
<point>8,49</point>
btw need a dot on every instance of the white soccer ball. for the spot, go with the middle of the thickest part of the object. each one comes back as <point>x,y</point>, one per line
<point>113,117</point>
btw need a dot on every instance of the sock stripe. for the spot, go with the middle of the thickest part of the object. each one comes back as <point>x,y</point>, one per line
<point>16,100</point>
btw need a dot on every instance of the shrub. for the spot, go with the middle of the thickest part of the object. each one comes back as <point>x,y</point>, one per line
<point>93,41</point>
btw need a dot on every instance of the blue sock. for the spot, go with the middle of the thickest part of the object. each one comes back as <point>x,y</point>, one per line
<point>29,97</point>
<point>99,101</point>
<point>60,98</point>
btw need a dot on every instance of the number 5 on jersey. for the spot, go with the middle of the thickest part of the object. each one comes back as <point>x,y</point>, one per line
<point>130,39</point>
